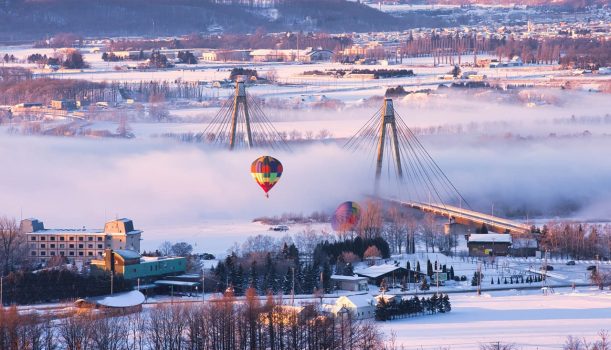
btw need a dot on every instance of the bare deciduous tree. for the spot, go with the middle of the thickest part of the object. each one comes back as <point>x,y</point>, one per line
<point>12,244</point>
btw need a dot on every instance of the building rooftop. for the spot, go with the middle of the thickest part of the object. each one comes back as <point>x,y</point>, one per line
<point>490,238</point>
<point>131,298</point>
<point>359,300</point>
<point>114,227</point>
<point>176,283</point>
<point>377,270</point>
<point>347,278</point>
<point>63,231</point>
<point>127,254</point>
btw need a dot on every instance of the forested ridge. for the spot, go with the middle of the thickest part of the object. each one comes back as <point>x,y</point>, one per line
<point>28,19</point>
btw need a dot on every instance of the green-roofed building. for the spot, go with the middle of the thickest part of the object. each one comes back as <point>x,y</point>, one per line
<point>131,265</point>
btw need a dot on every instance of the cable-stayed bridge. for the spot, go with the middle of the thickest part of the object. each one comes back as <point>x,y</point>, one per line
<point>417,176</point>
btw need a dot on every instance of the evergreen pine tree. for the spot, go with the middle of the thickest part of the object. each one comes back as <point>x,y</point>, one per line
<point>238,283</point>
<point>498,280</point>
<point>492,280</point>
<point>447,307</point>
<point>452,272</point>
<point>253,278</point>
<point>477,278</point>
<point>429,268</point>
<point>348,270</point>
<point>382,310</point>
<point>418,266</point>
<point>326,277</point>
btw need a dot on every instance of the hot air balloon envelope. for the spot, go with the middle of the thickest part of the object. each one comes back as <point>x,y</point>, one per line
<point>266,171</point>
<point>346,216</point>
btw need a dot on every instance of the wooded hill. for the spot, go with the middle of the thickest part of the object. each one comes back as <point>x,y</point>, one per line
<point>36,19</point>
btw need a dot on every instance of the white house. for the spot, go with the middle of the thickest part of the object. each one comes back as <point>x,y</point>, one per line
<point>360,306</point>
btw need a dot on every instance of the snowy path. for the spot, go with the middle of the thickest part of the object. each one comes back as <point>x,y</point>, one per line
<point>529,321</point>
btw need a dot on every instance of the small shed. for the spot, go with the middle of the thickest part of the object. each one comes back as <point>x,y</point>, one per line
<point>524,247</point>
<point>349,283</point>
<point>489,244</point>
<point>63,104</point>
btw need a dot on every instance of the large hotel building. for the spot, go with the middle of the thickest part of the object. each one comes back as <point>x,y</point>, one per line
<point>78,244</point>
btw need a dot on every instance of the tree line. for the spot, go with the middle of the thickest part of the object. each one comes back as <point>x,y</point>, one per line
<point>223,324</point>
<point>273,272</point>
<point>459,49</point>
<point>260,39</point>
<point>576,240</point>
<point>57,284</point>
<point>18,86</point>
<point>406,307</point>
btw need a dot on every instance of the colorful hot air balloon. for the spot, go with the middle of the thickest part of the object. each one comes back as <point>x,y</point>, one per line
<point>346,216</point>
<point>266,171</point>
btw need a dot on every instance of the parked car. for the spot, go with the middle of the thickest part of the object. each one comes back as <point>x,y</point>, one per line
<point>548,268</point>
<point>570,262</point>
<point>591,268</point>
<point>279,228</point>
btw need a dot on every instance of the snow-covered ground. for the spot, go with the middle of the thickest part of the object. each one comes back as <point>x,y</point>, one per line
<point>531,320</point>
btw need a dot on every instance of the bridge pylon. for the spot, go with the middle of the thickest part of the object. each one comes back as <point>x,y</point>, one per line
<point>240,103</point>
<point>388,128</point>
<point>241,123</point>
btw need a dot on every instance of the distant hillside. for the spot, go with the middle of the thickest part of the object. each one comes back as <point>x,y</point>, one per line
<point>35,19</point>
<point>574,4</point>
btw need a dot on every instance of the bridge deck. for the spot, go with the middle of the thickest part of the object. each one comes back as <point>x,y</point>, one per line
<point>471,216</point>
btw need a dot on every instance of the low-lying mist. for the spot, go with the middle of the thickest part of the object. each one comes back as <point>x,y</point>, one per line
<point>513,163</point>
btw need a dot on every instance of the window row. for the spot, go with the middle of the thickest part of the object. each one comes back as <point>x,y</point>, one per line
<point>71,246</point>
<point>71,253</point>
<point>70,238</point>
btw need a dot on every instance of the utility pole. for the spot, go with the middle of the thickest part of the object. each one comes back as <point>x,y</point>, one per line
<point>322,287</point>
<point>545,271</point>
<point>2,292</point>
<point>479,279</point>
<point>203,289</point>
<point>293,288</point>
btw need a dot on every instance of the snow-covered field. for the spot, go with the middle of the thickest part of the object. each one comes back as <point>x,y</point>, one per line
<point>529,320</point>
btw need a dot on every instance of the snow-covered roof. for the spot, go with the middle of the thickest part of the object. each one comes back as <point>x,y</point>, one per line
<point>347,278</point>
<point>490,238</point>
<point>176,283</point>
<point>272,52</point>
<point>359,300</point>
<point>132,298</point>
<point>127,254</point>
<point>64,231</point>
<point>377,270</point>
<point>525,243</point>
